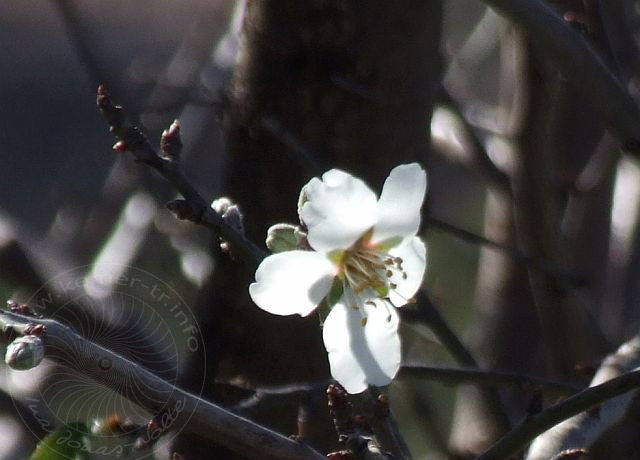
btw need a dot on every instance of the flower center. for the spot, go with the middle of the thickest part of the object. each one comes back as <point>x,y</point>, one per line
<point>369,268</point>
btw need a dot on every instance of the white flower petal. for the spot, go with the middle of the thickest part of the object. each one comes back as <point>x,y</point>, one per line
<point>414,261</point>
<point>400,203</point>
<point>362,355</point>
<point>339,209</point>
<point>292,282</point>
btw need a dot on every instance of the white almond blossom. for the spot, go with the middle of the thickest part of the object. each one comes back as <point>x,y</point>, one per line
<point>365,260</point>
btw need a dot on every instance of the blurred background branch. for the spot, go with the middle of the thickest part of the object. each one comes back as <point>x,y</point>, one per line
<point>524,113</point>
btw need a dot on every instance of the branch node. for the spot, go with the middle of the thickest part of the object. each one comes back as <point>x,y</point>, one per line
<point>183,210</point>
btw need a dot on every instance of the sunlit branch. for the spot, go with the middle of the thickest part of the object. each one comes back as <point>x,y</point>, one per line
<point>529,261</point>
<point>585,429</point>
<point>156,395</point>
<point>524,433</point>
<point>481,158</point>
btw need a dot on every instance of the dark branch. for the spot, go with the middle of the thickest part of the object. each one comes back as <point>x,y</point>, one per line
<point>496,176</point>
<point>429,315</point>
<point>475,376</point>
<point>131,138</point>
<point>511,251</point>
<point>579,63</point>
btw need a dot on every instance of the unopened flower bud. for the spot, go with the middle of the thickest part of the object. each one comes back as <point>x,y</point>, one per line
<point>171,142</point>
<point>230,212</point>
<point>221,204</point>
<point>233,216</point>
<point>120,147</point>
<point>302,199</point>
<point>35,329</point>
<point>301,238</point>
<point>282,237</point>
<point>25,352</point>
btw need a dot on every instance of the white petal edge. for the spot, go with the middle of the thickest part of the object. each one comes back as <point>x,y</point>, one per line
<point>339,209</point>
<point>360,356</point>
<point>400,203</point>
<point>414,262</point>
<point>292,282</point>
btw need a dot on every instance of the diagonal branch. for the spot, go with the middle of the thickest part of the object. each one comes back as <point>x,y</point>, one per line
<point>579,63</point>
<point>583,430</point>
<point>481,159</point>
<point>475,376</point>
<point>511,251</point>
<point>429,314</point>
<point>156,395</point>
<point>131,138</point>
<point>518,438</point>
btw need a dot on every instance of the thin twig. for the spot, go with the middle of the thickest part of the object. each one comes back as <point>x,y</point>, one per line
<point>579,63</point>
<point>475,376</point>
<point>514,252</point>
<point>133,140</point>
<point>524,433</point>
<point>82,43</point>
<point>496,176</point>
<point>303,153</point>
<point>157,395</point>
<point>271,396</point>
<point>583,430</point>
<point>429,314</point>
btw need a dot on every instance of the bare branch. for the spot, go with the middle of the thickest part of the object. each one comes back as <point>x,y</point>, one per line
<point>156,395</point>
<point>579,63</point>
<point>519,437</point>
<point>131,138</point>
<point>482,161</point>
<point>429,314</point>
<point>475,376</point>
<point>584,429</point>
<point>522,257</point>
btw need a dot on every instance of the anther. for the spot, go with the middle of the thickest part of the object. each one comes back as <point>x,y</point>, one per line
<point>389,273</point>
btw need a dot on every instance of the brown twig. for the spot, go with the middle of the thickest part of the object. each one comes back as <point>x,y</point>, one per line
<point>156,395</point>
<point>352,432</point>
<point>475,376</point>
<point>131,138</point>
<point>429,314</point>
